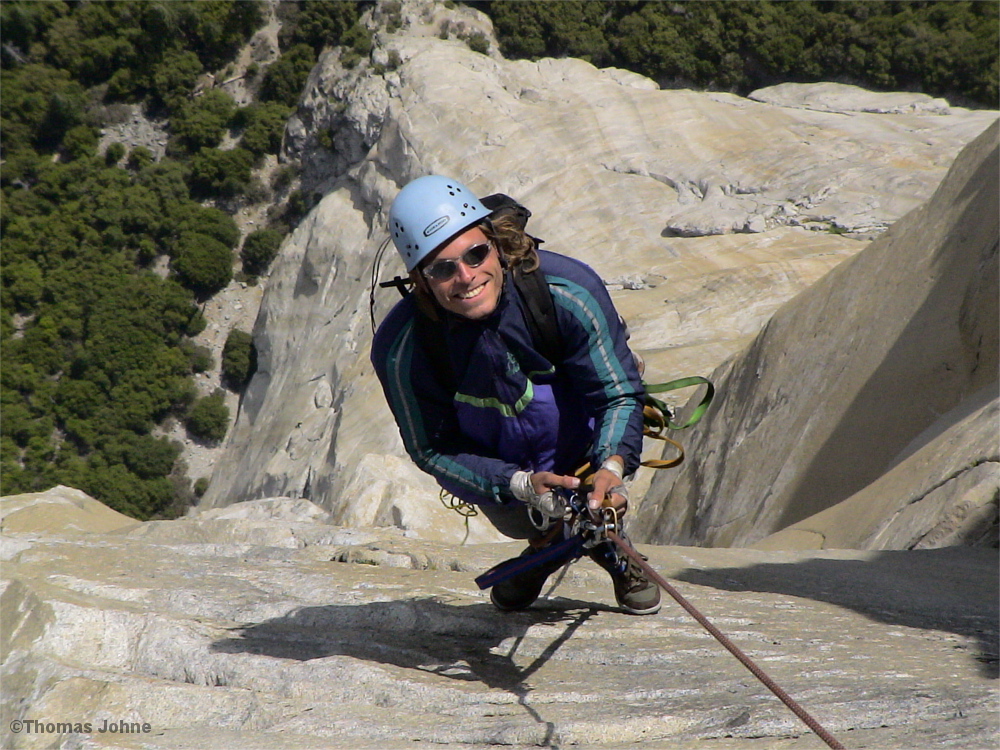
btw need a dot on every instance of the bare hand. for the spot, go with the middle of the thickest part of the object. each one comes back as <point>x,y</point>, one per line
<point>603,495</point>
<point>543,481</point>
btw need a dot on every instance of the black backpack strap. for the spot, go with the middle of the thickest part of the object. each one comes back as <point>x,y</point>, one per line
<point>541,318</point>
<point>430,336</point>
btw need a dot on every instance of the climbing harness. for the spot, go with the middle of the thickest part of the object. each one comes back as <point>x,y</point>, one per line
<point>586,530</point>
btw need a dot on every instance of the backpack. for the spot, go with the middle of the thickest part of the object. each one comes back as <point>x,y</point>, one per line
<point>544,328</point>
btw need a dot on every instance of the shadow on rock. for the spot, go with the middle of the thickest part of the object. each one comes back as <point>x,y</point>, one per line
<point>457,641</point>
<point>954,589</point>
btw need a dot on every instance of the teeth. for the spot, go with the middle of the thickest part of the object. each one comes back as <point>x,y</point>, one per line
<point>472,292</point>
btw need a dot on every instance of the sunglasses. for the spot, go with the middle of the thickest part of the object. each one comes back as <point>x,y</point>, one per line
<point>444,269</point>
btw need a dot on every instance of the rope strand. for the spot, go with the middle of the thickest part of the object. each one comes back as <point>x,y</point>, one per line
<point>745,660</point>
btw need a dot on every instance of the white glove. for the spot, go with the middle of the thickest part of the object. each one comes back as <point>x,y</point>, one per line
<point>549,504</point>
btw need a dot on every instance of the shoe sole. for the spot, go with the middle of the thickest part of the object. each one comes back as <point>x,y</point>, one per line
<point>633,611</point>
<point>507,608</point>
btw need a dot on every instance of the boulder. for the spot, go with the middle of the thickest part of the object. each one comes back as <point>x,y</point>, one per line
<point>841,97</point>
<point>205,632</point>
<point>62,508</point>
<point>865,413</point>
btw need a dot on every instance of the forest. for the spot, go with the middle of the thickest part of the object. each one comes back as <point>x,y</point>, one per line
<point>107,256</point>
<point>946,49</point>
<point>109,253</point>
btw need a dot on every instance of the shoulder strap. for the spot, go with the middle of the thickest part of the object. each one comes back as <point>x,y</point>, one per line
<point>430,336</point>
<point>541,318</point>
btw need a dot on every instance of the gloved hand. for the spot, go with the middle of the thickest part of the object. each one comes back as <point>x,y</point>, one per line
<point>536,490</point>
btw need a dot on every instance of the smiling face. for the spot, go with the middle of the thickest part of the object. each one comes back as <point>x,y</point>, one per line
<point>472,292</point>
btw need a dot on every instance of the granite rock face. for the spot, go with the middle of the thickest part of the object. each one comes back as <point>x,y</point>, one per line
<point>865,414</point>
<point>696,208</point>
<point>262,626</point>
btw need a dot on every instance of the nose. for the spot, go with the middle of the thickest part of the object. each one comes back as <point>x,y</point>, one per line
<point>465,273</point>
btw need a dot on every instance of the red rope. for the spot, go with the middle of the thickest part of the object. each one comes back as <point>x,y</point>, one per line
<point>745,660</point>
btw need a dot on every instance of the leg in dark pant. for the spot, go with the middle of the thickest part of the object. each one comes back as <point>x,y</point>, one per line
<point>521,590</point>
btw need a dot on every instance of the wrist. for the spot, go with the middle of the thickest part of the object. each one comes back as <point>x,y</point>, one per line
<point>521,488</point>
<point>615,465</point>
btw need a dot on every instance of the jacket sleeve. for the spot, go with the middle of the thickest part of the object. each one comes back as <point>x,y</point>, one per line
<point>428,425</point>
<point>600,366</point>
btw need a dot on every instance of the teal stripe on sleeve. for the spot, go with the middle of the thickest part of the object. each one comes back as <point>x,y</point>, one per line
<point>579,302</point>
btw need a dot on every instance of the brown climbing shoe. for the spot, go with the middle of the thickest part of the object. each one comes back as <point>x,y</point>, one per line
<point>634,592</point>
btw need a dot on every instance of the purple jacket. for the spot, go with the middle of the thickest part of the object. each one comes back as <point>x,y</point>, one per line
<point>513,409</point>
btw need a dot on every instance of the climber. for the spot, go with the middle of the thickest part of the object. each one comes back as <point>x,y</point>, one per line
<point>479,407</point>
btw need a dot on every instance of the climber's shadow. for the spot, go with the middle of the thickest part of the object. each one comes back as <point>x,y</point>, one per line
<point>457,641</point>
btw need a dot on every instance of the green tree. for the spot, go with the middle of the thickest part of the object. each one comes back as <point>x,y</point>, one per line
<point>38,106</point>
<point>173,77</point>
<point>114,153</point>
<point>317,25</point>
<point>79,141</point>
<point>140,157</point>
<point>99,352</point>
<point>224,174</point>
<point>189,216</point>
<point>202,122</point>
<point>259,248</point>
<point>202,263</point>
<point>263,126</point>
<point>238,359</point>
<point>208,418</point>
<point>941,48</point>
<point>285,77</point>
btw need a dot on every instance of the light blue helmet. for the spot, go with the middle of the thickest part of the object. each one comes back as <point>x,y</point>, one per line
<point>428,212</point>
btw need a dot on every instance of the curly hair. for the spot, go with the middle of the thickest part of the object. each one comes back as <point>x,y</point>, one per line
<point>516,247</point>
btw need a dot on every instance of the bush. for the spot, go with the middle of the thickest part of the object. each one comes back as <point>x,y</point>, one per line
<point>200,357</point>
<point>208,418</point>
<point>477,42</point>
<point>264,127</point>
<point>238,359</point>
<point>286,76</point>
<point>191,217</point>
<point>259,249</point>
<point>140,157</point>
<point>174,77</point>
<point>202,263</point>
<point>201,123</point>
<point>149,458</point>
<point>79,142</point>
<point>114,154</point>
<point>222,174</point>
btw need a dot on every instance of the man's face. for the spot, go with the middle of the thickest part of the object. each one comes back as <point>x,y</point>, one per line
<point>473,291</point>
